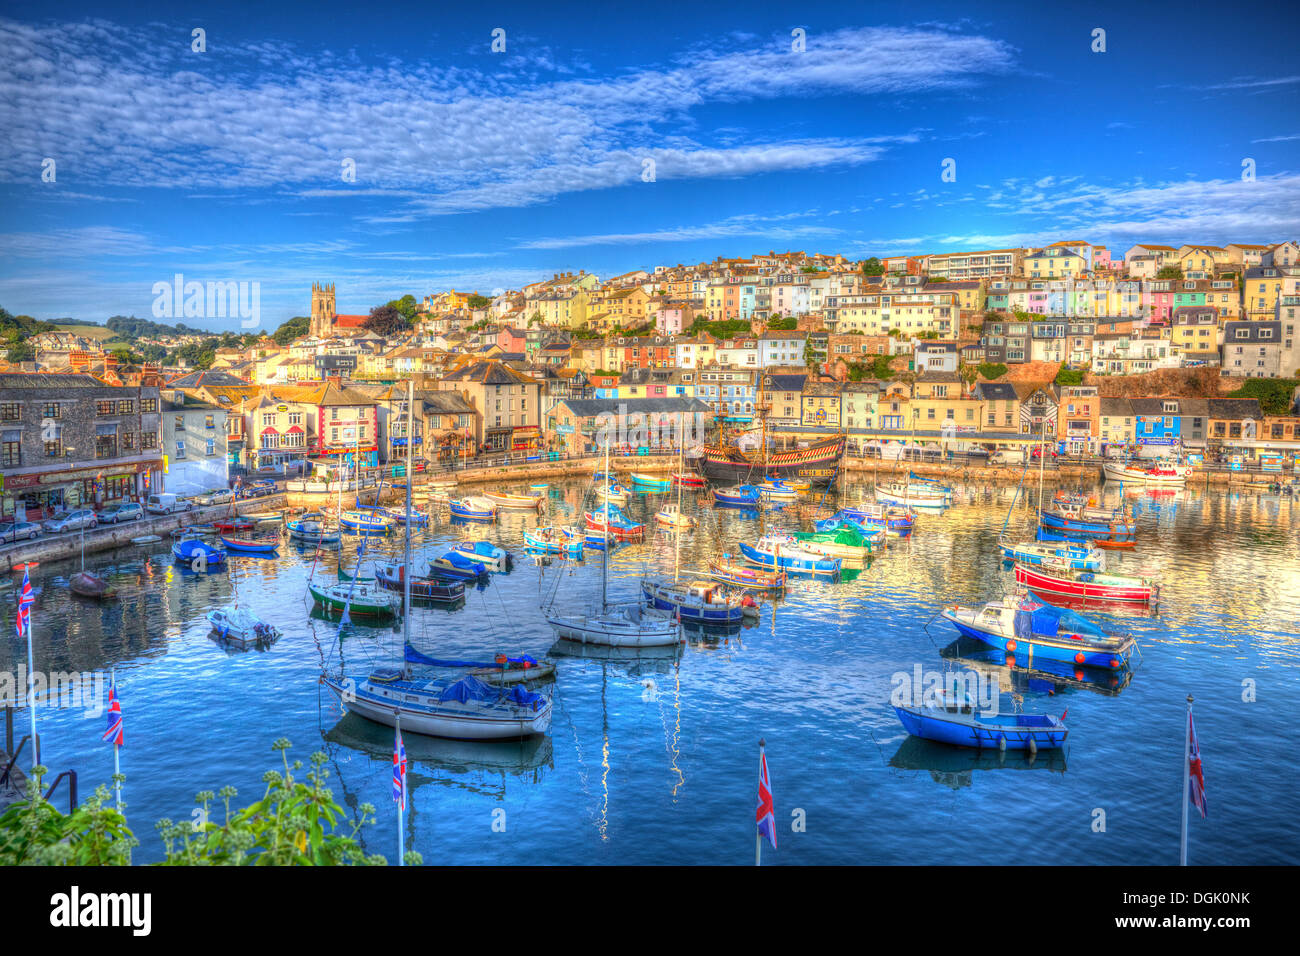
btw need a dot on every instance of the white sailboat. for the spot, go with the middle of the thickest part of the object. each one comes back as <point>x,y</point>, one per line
<point>616,625</point>
<point>464,709</point>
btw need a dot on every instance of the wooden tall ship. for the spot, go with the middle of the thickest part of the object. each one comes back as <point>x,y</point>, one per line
<point>725,462</point>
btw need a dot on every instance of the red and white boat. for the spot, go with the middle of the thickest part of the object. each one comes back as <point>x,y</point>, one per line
<point>1161,473</point>
<point>1092,585</point>
<point>688,479</point>
<point>620,527</point>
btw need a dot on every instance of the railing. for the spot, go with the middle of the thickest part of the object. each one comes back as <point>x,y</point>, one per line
<point>72,788</point>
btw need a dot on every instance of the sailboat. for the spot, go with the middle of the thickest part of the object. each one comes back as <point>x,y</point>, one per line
<point>87,583</point>
<point>671,514</point>
<point>615,625</point>
<point>464,709</point>
<point>699,603</point>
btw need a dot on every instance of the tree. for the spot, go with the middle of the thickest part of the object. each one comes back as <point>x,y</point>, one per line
<point>477,301</point>
<point>872,267</point>
<point>386,320</point>
<point>778,324</point>
<point>20,352</point>
<point>295,328</point>
<point>1170,272</point>
<point>1069,376</point>
<point>991,370</point>
<point>407,306</point>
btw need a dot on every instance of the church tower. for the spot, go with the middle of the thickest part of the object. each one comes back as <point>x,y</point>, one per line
<point>322,310</point>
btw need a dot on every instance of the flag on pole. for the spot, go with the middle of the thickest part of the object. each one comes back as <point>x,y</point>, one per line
<point>766,814</point>
<point>399,772</point>
<point>1194,770</point>
<point>25,601</point>
<point>113,734</point>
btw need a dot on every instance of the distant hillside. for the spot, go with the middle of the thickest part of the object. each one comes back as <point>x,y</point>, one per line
<point>129,327</point>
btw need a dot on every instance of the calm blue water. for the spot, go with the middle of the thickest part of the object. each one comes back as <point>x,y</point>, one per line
<point>653,760</point>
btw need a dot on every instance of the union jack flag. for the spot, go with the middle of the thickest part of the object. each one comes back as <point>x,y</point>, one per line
<point>399,772</point>
<point>766,814</point>
<point>25,601</point>
<point>1195,770</point>
<point>113,734</point>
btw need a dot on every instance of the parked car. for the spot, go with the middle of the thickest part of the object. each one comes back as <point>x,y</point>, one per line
<point>18,530</point>
<point>219,497</point>
<point>165,504</point>
<point>126,511</point>
<point>258,489</point>
<point>72,521</point>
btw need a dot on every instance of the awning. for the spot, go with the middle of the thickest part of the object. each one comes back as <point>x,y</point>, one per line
<point>295,430</point>
<point>105,430</point>
<point>12,434</point>
<point>268,430</point>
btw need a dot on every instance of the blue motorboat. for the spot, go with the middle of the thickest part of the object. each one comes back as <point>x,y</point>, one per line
<point>1030,629</point>
<point>961,725</point>
<point>1079,555</point>
<point>695,603</point>
<point>364,522</point>
<point>190,550</point>
<point>1097,528</point>
<point>455,566</point>
<point>896,522</point>
<point>738,496</point>
<point>487,554</point>
<point>783,552</point>
<point>473,508</point>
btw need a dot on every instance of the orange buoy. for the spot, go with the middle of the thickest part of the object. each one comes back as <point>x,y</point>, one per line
<point>1011,645</point>
<point>1078,658</point>
<point>1114,662</point>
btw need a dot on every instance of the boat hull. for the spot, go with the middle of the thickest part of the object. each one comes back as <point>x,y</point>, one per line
<point>818,464</point>
<point>1028,649</point>
<point>665,599</point>
<point>825,567</point>
<point>428,721</point>
<point>927,724</point>
<point>609,633</point>
<point>1045,583</point>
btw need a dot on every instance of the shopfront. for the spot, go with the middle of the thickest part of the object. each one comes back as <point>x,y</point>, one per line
<point>36,497</point>
<point>525,438</point>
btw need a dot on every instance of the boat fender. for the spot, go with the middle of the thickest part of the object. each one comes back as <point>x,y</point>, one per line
<point>1002,743</point>
<point>1011,645</point>
<point>1078,658</point>
<point>1033,745</point>
<point>1114,662</point>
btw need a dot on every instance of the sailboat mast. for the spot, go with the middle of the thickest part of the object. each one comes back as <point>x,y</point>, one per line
<point>406,560</point>
<point>1042,459</point>
<point>677,527</point>
<point>604,552</point>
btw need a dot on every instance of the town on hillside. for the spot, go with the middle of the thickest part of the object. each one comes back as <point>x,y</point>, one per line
<point>988,354</point>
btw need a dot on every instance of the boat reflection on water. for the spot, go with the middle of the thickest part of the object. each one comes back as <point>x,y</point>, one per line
<point>1092,605</point>
<point>955,766</point>
<point>634,661</point>
<point>526,759</point>
<point>1044,677</point>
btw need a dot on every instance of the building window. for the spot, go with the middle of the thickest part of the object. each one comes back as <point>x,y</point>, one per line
<point>148,439</point>
<point>104,408</point>
<point>148,404</point>
<point>125,407</point>
<point>180,423</point>
<point>53,410</point>
<point>106,446</point>
<point>180,449</point>
<point>54,449</point>
<point>11,454</point>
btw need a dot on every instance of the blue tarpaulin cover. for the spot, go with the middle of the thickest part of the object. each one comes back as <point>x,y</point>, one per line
<point>469,688</point>
<point>415,657</point>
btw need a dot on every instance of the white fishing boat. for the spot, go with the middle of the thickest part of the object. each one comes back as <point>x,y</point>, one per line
<point>1159,474</point>
<point>241,627</point>
<point>671,516</point>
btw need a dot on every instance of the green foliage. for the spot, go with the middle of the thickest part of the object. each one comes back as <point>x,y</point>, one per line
<point>535,319</point>
<point>20,352</point>
<point>1274,394</point>
<point>872,267</point>
<point>407,306</point>
<point>33,832</point>
<point>1069,376</point>
<point>129,327</point>
<point>295,823</point>
<point>778,324</point>
<point>876,367</point>
<point>1170,272</point>
<point>477,301</point>
<point>195,354</point>
<point>295,328</point>
<point>991,370</point>
<point>724,329</point>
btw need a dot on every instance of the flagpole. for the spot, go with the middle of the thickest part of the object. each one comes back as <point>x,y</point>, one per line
<point>117,766</point>
<point>1187,779</point>
<point>401,835</point>
<point>758,837</point>
<point>31,689</point>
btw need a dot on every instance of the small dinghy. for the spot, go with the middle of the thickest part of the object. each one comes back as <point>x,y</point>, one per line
<point>146,539</point>
<point>89,585</point>
<point>776,490</point>
<point>242,628</point>
<point>504,500</point>
<point>688,479</point>
<point>672,517</point>
<point>961,725</point>
<point>620,526</point>
<point>740,575</point>
<point>247,544</point>
<point>487,554</point>
<point>503,670</point>
<point>895,522</point>
<point>738,496</point>
<point>193,552</point>
<point>650,482</point>
<point>849,545</point>
<point>551,540</point>
<point>456,566</point>
<point>474,508</point>
<point>613,492</point>
<point>313,528</point>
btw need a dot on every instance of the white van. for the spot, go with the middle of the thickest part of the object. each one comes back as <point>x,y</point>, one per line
<point>165,504</point>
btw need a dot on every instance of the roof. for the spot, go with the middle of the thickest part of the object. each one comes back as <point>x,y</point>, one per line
<point>1234,408</point>
<point>785,383</point>
<point>488,373</point>
<point>1116,407</point>
<point>49,380</point>
<point>205,377</point>
<point>995,391</point>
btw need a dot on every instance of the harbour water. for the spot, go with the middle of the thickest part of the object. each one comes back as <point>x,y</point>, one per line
<point>652,759</point>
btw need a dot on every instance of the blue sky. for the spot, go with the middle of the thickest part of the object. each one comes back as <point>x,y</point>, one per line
<point>481,170</point>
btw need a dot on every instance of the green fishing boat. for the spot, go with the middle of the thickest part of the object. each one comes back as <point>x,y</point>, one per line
<point>359,598</point>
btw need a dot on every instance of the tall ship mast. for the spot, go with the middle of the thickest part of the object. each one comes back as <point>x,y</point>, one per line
<point>817,464</point>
